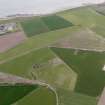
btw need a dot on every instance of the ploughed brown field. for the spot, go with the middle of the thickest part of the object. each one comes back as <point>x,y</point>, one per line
<point>11,40</point>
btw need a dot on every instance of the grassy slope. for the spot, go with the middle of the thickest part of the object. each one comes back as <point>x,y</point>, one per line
<point>83,17</point>
<point>88,65</point>
<point>10,94</point>
<point>86,17</point>
<point>46,39</point>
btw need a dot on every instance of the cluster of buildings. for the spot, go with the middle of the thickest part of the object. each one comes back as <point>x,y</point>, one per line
<point>9,27</point>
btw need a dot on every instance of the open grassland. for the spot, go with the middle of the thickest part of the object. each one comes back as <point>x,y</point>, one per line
<point>89,67</point>
<point>44,24</point>
<point>37,42</point>
<point>83,39</point>
<point>42,65</point>
<point>41,96</point>
<point>72,98</point>
<point>11,93</point>
<point>85,17</point>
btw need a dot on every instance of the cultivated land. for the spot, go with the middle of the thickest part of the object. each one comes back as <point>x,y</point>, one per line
<point>23,89</point>
<point>44,24</point>
<point>11,40</point>
<point>73,98</point>
<point>37,42</point>
<point>82,39</point>
<point>41,96</point>
<point>42,65</point>
<point>89,67</point>
<point>86,17</point>
<point>7,92</point>
<point>63,54</point>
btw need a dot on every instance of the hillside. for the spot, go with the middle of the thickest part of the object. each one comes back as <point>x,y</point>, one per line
<point>59,58</point>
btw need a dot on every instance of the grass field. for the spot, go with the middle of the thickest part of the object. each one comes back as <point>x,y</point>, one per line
<point>89,67</point>
<point>42,65</point>
<point>85,17</point>
<point>72,98</point>
<point>37,42</point>
<point>12,93</point>
<point>83,39</point>
<point>34,26</point>
<point>55,22</point>
<point>77,75</point>
<point>41,96</point>
<point>44,24</point>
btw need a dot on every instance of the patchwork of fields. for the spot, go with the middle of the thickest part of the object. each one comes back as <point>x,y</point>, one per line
<point>89,67</point>
<point>64,54</point>
<point>44,24</point>
<point>42,65</point>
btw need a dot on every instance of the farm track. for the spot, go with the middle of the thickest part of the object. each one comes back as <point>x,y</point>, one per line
<point>27,52</point>
<point>8,79</point>
<point>75,79</point>
<point>102,98</point>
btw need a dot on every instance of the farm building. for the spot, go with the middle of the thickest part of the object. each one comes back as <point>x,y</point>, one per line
<point>4,28</point>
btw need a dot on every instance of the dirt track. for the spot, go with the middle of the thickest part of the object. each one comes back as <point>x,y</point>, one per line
<point>102,98</point>
<point>11,40</point>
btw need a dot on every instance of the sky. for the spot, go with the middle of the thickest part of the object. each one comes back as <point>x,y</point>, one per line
<point>8,7</point>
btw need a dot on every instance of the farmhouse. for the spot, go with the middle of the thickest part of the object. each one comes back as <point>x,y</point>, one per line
<point>4,28</point>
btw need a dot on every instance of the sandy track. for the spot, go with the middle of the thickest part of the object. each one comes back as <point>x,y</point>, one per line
<point>11,40</point>
<point>102,98</point>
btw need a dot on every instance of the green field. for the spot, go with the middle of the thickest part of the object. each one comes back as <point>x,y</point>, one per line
<point>55,22</point>
<point>88,65</point>
<point>72,98</point>
<point>85,17</point>
<point>44,24</point>
<point>34,26</point>
<point>11,93</point>
<point>76,75</point>
<point>42,65</point>
<point>41,96</point>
